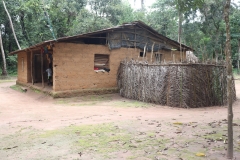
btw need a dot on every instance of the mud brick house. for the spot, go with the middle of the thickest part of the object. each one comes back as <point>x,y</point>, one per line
<point>89,62</point>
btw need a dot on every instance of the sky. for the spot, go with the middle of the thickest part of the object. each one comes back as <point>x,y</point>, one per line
<point>150,2</point>
<point>138,3</point>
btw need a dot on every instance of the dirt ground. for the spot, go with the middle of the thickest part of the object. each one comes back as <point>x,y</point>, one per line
<point>108,127</point>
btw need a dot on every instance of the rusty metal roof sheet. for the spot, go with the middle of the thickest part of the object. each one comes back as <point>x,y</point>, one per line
<point>124,25</point>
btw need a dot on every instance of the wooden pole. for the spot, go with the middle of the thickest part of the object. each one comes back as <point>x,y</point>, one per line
<point>168,85</point>
<point>229,80</point>
<point>181,52</point>
<point>152,51</point>
<point>11,24</point>
<point>135,43</point>
<point>42,69</point>
<point>32,67</point>
<point>144,52</point>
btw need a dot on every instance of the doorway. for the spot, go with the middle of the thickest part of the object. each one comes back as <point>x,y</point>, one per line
<point>37,59</point>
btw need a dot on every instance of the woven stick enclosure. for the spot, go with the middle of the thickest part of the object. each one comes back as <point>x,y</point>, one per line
<point>175,85</point>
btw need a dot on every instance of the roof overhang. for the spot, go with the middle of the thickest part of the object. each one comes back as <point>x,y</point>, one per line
<point>125,25</point>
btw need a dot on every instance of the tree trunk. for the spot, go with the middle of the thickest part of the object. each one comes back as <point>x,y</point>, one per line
<point>216,44</point>
<point>4,68</point>
<point>238,55</point>
<point>142,4</point>
<point>11,24</point>
<point>229,80</point>
<point>180,32</point>
<point>24,32</point>
<point>179,26</point>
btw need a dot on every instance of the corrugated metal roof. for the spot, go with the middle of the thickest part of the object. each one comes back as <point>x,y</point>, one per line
<point>125,25</point>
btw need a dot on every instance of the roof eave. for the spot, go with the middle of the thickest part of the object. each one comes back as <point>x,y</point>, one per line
<point>32,47</point>
<point>135,23</point>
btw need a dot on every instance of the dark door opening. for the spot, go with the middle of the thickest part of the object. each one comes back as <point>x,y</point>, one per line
<point>38,68</point>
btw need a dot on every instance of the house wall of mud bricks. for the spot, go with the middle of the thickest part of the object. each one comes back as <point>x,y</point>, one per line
<point>172,55</point>
<point>73,65</point>
<point>22,67</point>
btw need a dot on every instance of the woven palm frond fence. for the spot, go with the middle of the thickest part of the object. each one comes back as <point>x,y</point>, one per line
<point>175,85</point>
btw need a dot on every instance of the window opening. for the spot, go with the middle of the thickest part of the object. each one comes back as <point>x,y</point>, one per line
<point>142,53</point>
<point>158,57</point>
<point>101,62</point>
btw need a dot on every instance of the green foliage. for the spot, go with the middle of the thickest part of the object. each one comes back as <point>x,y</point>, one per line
<point>203,25</point>
<point>164,18</point>
<point>87,22</point>
<point>102,14</point>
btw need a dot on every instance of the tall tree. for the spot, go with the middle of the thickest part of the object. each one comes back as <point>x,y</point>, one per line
<point>165,24</point>
<point>213,25</point>
<point>11,24</point>
<point>63,14</point>
<point>102,14</point>
<point>238,55</point>
<point>229,80</point>
<point>184,7</point>
<point>4,68</point>
<point>142,4</point>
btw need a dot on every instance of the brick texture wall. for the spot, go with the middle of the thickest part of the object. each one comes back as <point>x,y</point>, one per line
<point>73,65</point>
<point>22,67</point>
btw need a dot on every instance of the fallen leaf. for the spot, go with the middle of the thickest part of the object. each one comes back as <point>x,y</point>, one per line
<point>178,132</point>
<point>219,139</point>
<point>165,149</point>
<point>132,146</point>
<point>178,123</point>
<point>200,154</point>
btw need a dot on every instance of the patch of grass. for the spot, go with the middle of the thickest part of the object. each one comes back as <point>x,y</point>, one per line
<point>216,136</point>
<point>92,135</point>
<point>7,80</point>
<point>36,91</point>
<point>71,102</point>
<point>84,130</point>
<point>96,98</point>
<point>132,157</point>
<point>219,148</point>
<point>150,134</point>
<point>103,138</point>
<point>136,104</point>
<point>62,101</point>
<point>16,88</point>
<point>84,104</point>
<point>107,138</point>
<point>84,100</point>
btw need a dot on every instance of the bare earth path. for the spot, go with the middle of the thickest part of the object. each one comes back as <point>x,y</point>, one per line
<point>35,126</point>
